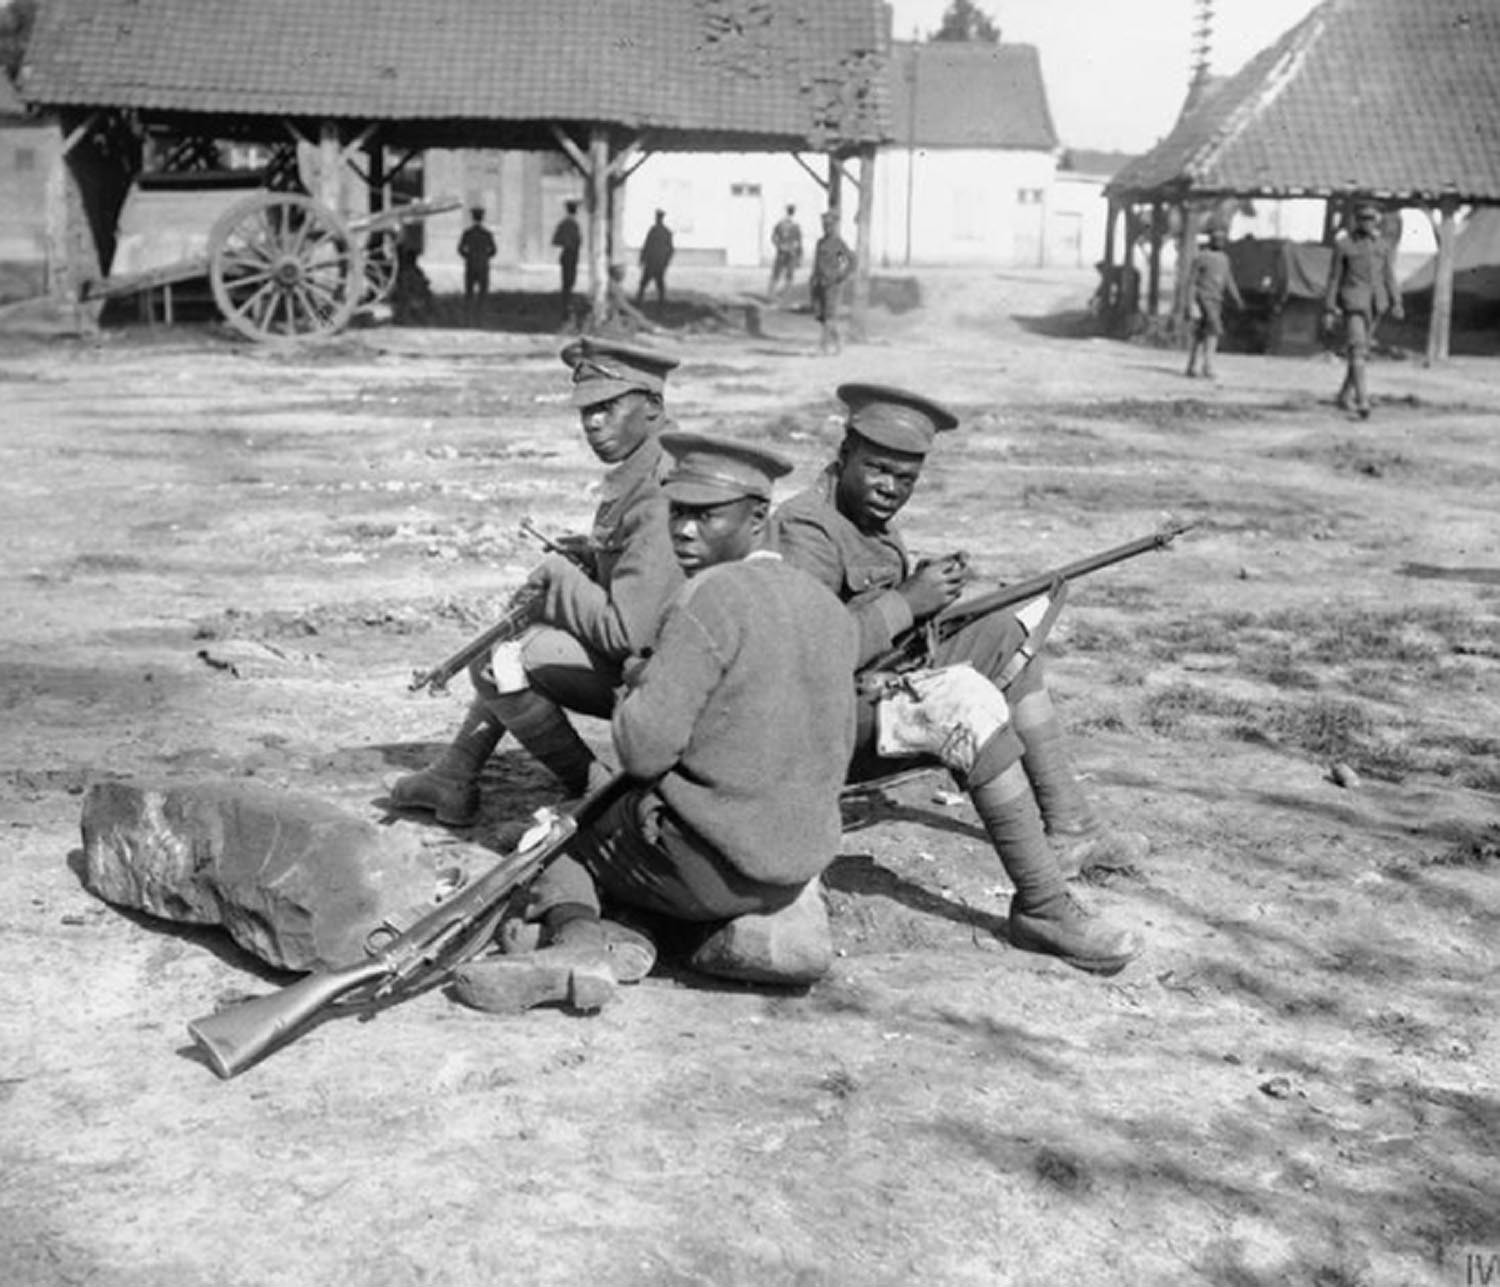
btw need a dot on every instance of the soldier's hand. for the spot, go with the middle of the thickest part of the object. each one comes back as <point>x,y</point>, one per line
<point>934,585</point>
<point>553,568</point>
<point>1398,312</point>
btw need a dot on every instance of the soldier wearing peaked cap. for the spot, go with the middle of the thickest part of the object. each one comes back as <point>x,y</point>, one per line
<point>976,704</point>
<point>589,623</point>
<point>738,728</point>
<point>1362,288</point>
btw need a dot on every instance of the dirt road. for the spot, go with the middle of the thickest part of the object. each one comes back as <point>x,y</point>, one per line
<point>219,562</point>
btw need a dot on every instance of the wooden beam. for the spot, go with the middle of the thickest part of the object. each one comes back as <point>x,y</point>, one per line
<point>79,132</point>
<point>1153,289</point>
<point>863,220</point>
<point>330,162</point>
<point>571,149</point>
<point>359,140</point>
<point>628,159</point>
<point>1440,325</point>
<point>598,210</point>
<point>820,179</point>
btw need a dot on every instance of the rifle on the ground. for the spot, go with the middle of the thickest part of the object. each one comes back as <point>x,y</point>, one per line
<point>520,612</point>
<point>915,647</point>
<point>404,963</point>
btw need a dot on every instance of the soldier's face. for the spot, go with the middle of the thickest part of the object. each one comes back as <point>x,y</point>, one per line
<point>615,428</point>
<point>705,535</point>
<point>874,482</point>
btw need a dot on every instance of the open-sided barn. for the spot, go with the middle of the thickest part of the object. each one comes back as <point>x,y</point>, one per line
<point>370,84</point>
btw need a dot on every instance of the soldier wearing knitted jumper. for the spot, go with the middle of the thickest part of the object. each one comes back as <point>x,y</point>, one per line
<point>589,623</point>
<point>737,729</point>
<point>979,704</point>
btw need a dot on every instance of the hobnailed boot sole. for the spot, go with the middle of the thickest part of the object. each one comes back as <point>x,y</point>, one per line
<point>515,984</point>
<point>632,955</point>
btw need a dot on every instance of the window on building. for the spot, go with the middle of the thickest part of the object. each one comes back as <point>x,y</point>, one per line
<point>1029,196</point>
<point>25,159</point>
<point>744,190</point>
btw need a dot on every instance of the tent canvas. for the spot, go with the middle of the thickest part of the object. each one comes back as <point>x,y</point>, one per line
<point>1476,259</point>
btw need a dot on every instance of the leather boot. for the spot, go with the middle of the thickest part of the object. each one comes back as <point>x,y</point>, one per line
<point>632,954</point>
<point>1044,916</point>
<point>572,970</point>
<point>449,789</point>
<point>540,725</point>
<point>793,946</point>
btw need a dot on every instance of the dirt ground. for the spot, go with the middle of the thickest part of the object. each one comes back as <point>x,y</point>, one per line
<point>223,562</point>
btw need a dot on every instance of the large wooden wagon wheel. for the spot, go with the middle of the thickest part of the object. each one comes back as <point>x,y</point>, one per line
<point>380,264</point>
<point>284,267</point>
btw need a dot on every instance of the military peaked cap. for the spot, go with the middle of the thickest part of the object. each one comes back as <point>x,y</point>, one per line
<point>894,418</point>
<point>710,471</point>
<point>604,369</point>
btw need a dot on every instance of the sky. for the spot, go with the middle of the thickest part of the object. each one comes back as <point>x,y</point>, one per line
<point>1116,70</point>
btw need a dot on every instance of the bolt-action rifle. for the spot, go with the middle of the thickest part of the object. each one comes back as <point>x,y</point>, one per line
<point>915,647</point>
<point>401,964</point>
<point>520,612</point>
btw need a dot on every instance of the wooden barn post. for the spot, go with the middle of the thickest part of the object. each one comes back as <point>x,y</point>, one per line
<point>1440,324</point>
<point>863,220</point>
<point>1153,290</point>
<point>598,204</point>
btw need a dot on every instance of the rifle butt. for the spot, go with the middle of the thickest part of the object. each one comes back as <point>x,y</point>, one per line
<point>235,1037</point>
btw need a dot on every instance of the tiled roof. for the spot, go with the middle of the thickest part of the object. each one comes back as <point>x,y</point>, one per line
<point>807,70</point>
<point>1395,98</point>
<point>969,95</point>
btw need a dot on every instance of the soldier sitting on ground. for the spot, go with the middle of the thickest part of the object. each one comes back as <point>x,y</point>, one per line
<point>587,625</point>
<point>735,733</point>
<point>977,705</point>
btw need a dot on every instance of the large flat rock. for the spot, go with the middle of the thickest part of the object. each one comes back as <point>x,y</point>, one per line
<point>296,881</point>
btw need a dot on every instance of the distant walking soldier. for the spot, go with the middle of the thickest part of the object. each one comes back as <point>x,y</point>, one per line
<point>786,242</point>
<point>833,262</point>
<point>1211,281</point>
<point>476,248</point>
<point>656,254</point>
<point>1361,287</point>
<point>568,238</point>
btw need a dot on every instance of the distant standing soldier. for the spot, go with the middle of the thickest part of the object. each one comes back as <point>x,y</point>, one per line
<point>568,238</point>
<point>786,240</point>
<point>1212,279</point>
<point>833,261</point>
<point>656,254</point>
<point>476,248</point>
<point>1361,287</point>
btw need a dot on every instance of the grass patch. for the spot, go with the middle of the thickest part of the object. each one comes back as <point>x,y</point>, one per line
<point>1406,635</point>
<point>1328,729</point>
